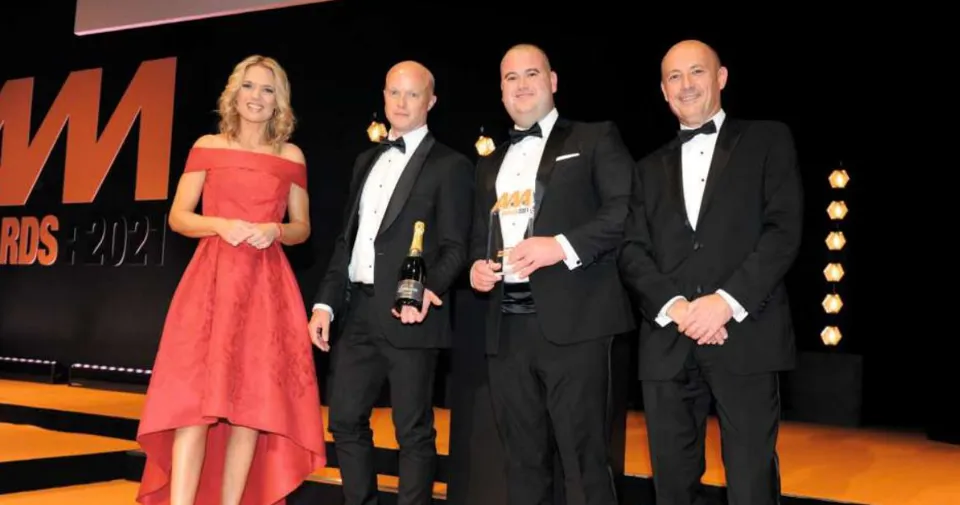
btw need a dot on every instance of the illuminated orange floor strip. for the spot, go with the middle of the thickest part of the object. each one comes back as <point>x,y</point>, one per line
<point>21,443</point>
<point>71,399</point>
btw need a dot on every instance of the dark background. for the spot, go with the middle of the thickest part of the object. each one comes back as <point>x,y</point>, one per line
<point>817,77</point>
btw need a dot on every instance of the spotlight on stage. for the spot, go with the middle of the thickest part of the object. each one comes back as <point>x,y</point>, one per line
<point>833,272</point>
<point>832,304</point>
<point>839,178</point>
<point>108,377</point>
<point>836,241</point>
<point>32,370</point>
<point>831,335</point>
<point>837,210</point>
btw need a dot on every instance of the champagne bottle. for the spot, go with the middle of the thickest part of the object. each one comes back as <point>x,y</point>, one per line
<point>413,273</point>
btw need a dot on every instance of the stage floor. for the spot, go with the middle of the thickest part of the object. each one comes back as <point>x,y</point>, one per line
<point>829,463</point>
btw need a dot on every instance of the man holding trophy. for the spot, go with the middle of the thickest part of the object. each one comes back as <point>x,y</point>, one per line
<point>549,218</point>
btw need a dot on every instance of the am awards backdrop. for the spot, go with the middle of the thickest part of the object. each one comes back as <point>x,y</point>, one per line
<point>88,168</point>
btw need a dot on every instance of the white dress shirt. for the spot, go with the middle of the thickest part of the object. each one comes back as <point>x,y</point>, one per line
<point>518,177</point>
<point>374,199</point>
<point>696,156</point>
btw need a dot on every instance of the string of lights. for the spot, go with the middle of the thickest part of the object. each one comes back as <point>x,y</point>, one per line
<point>834,272</point>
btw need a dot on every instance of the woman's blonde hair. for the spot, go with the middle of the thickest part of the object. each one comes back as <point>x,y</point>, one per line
<point>281,125</point>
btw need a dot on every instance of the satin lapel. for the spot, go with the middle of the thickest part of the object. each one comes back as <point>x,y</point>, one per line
<point>558,136</point>
<point>406,183</point>
<point>726,142</point>
<point>359,182</point>
<point>674,167</point>
<point>492,171</point>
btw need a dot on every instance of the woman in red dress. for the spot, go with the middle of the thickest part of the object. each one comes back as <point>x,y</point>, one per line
<point>232,414</point>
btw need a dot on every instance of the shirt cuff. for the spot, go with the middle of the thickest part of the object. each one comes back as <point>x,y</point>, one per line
<point>323,306</point>
<point>662,318</point>
<point>570,256</point>
<point>739,313</point>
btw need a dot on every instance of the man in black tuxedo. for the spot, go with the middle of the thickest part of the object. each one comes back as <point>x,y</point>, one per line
<point>715,218</point>
<point>409,177</point>
<point>552,318</point>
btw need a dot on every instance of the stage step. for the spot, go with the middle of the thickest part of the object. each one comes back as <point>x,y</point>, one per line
<point>316,485</point>
<point>820,464</point>
<point>386,483</point>
<point>112,477</point>
<point>33,458</point>
<point>123,492</point>
<point>116,414</point>
<point>43,466</point>
<point>114,492</point>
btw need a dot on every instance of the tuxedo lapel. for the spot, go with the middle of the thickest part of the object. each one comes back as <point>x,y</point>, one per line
<point>360,180</point>
<point>558,137</point>
<point>726,142</point>
<point>672,162</point>
<point>406,183</point>
<point>490,176</point>
<point>488,169</point>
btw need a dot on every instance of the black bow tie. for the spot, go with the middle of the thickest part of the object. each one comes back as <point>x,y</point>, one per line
<point>518,135</point>
<point>707,128</point>
<point>398,143</point>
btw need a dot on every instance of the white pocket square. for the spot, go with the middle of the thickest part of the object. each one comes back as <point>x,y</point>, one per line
<point>567,156</point>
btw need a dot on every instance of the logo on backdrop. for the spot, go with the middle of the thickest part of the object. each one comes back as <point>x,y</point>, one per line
<point>126,238</point>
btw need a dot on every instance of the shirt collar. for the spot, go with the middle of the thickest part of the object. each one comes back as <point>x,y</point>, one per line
<point>717,120</point>
<point>546,124</point>
<point>413,138</point>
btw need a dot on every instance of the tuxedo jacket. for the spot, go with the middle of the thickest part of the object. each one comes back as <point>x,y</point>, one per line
<point>436,187</point>
<point>747,237</point>
<point>583,182</point>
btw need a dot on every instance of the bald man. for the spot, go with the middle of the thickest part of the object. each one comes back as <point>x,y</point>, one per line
<point>554,311</point>
<point>715,224</point>
<point>408,177</point>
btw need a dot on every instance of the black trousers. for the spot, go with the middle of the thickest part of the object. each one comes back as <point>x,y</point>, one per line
<point>547,399</point>
<point>748,408</point>
<point>362,360</point>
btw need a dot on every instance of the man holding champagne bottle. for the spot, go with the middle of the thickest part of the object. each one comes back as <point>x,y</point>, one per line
<point>408,213</point>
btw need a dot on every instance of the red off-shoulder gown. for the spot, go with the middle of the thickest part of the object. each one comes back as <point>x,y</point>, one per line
<point>235,345</point>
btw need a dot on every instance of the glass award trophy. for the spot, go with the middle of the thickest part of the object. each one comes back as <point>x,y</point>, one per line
<point>508,225</point>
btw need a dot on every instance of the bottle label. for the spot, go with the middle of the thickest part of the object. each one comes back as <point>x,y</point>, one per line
<point>409,289</point>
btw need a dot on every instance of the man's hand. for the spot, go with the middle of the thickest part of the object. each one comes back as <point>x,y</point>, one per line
<point>483,275</point>
<point>705,317</point>
<point>319,329</point>
<point>410,315</point>
<point>717,338</point>
<point>679,312</point>
<point>534,253</point>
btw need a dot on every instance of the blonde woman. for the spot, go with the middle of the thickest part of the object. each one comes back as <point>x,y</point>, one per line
<point>232,415</point>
